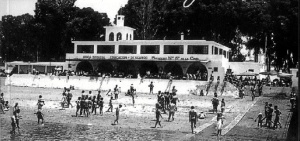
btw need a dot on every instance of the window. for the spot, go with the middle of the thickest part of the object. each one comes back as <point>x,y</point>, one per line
<point>111,37</point>
<point>149,49</point>
<point>220,51</point>
<point>85,48</point>
<point>119,18</point>
<point>251,70</point>
<point>173,49</point>
<point>109,49</point>
<point>127,49</point>
<point>216,50</point>
<point>212,49</point>
<point>130,36</point>
<point>119,36</point>
<point>197,49</point>
<point>215,69</point>
<point>224,53</point>
<point>127,36</point>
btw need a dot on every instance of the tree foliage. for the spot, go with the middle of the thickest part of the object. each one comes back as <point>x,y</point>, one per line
<point>269,24</point>
<point>47,35</point>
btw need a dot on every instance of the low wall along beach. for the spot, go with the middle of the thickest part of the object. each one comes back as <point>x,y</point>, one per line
<point>93,83</point>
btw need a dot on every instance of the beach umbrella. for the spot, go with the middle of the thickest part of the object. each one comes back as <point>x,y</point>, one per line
<point>284,75</point>
<point>247,74</point>
<point>269,73</point>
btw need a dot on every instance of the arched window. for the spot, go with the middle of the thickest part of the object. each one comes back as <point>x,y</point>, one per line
<point>130,36</point>
<point>119,36</point>
<point>111,36</point>
<point>127,36</point>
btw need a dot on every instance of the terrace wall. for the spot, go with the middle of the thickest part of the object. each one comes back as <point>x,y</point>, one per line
<point>93,83</point>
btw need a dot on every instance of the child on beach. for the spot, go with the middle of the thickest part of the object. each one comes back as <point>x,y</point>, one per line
<point>40,116</point>
<point>260,119</point>
<point>117,114</point>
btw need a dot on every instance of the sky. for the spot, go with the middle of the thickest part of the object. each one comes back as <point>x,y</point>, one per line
<point>19,7</point>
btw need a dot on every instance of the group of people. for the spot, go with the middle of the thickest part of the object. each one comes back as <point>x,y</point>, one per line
<point>268,117</point>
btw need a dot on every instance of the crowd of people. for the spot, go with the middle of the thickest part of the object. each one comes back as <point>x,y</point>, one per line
<point>89,103</point>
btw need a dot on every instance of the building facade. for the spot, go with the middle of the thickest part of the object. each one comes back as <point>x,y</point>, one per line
<point>122,55</point>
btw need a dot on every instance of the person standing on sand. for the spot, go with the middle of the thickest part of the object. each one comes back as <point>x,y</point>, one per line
<point>172,111</point>
<point>269,117</point>
<point>158,116</point>
<point>40,102</point>
<point>215,103</point>
<point>151,86</point>
<point>94,105</point>
<point>193,118</point>
<point>16,112</point>
<point>13,125</point>
<point>69,98</point>
<point>277,115</point>
<point>100,103</point>
<point>116,92</point>
<point>117,114</point>
<point>78,106</point>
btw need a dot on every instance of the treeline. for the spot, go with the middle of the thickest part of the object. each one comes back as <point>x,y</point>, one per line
<point>47,35</point>
<point>266,24</point>
<point>270,24</point>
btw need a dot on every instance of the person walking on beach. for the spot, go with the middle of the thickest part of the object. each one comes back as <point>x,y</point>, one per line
<point>277,119</point>
<point>110,105</point>
<point>69,98</point>
<point>219,127</point>
<point>40,116</point>
<point>117,114</point>
<point>63,101</point>
<point>158,116</point>
<point>222,105</point>
<point>193,118</point>
<point>151,86</point>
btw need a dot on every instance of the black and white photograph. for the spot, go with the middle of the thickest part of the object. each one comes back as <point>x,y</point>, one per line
<point>149,70</point>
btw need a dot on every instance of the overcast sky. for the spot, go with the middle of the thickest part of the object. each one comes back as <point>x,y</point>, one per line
<point>19,7</point>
